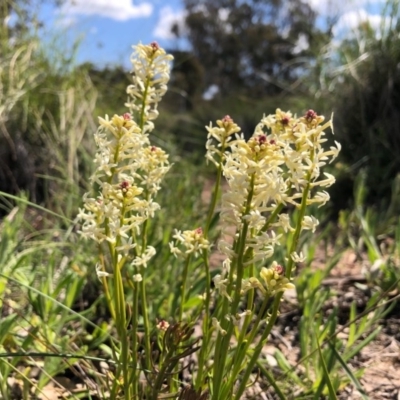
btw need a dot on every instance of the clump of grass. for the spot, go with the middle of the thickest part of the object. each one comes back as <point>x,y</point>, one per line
<point>46,107</point>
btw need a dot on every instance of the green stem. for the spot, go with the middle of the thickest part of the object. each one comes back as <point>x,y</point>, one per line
<point>144,232</point>
<point>143,105</point>
<point>3,391</point>
<point>272,218</point>
<point>222,348</point>
<point>207,329</point>
<point>217,186</point>
<point>146,324</point>
<point>143,108</point>
<point>250,337</point>
<point>278,296</point>
<point>250,306</point>
<point>297,231</point>
<point>161,375</point>
<point>275,213</point>
<point>141,287</point>
<point>107,293</point>
<point>214,200</point>
<point>220,312</point>
<point>183,286</point>
<point>259,347</point>
<point>244,344</point>
<point>206,325</point>
<point>122,328</point>
<point>134,341</point>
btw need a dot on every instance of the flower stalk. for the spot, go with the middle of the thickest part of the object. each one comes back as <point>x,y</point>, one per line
<point>265,174</point>
<point>129,171</point>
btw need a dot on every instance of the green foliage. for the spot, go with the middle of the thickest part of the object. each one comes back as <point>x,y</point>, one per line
<point>52,285</point>
<point>110,83</point>
<point>38,289</point>
<point>25,18</point>
<point>183,206</point>
<point>186,87</point>
<point>117,213</point>
<point>53,314</point>
<point>242,47</point>
<point>374,232</point>
<point>185,127</point>
<point>365,97</point>
<point>325,355</point>
<point>46,109</point>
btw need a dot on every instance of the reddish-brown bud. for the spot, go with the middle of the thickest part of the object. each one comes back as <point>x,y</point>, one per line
<point>163,325</point>
<point>310,115</point>
<point>279,269</point>
<point>285,120</point>
<point>261,139</point>
<point>227,118</point>
<point>155,46</point>
<point>124,185</point>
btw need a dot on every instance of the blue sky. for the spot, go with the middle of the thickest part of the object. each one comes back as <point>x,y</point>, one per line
<point>108,28</point>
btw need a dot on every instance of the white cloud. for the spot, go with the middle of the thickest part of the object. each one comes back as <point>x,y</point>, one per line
<point>351,20</point>
<point>167,18</point>
<point>348,15</point>
<point>210,92</point>
<point>324,7</point>
<point>66,21</point>
<point>120,10</point>
<point>334,8</point>
<point>223,14</point>
<point>301,44</point>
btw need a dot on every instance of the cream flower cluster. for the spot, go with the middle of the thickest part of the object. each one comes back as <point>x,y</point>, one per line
<point>150,75</point>
<point>129,170</point>
<point>192,242</point>
<point>218,138</point>
<point>272,169</point>
<point>284,155</point>
<point>273,281</point>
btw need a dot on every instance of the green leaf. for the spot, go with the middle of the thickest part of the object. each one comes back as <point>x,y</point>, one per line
<point>355,350</point>
<point>271,381</point>
<point>326,378</point>
<point>193,303</point>
<point>349,373</point>
<point>287,368</point>
<point>6,326</point>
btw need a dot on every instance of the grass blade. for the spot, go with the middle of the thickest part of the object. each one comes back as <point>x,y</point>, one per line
<point>349,373</point>
<point>326,378</point>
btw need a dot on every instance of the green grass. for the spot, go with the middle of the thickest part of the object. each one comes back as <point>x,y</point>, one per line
<point>54,315</point>
<point>53,310</point>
